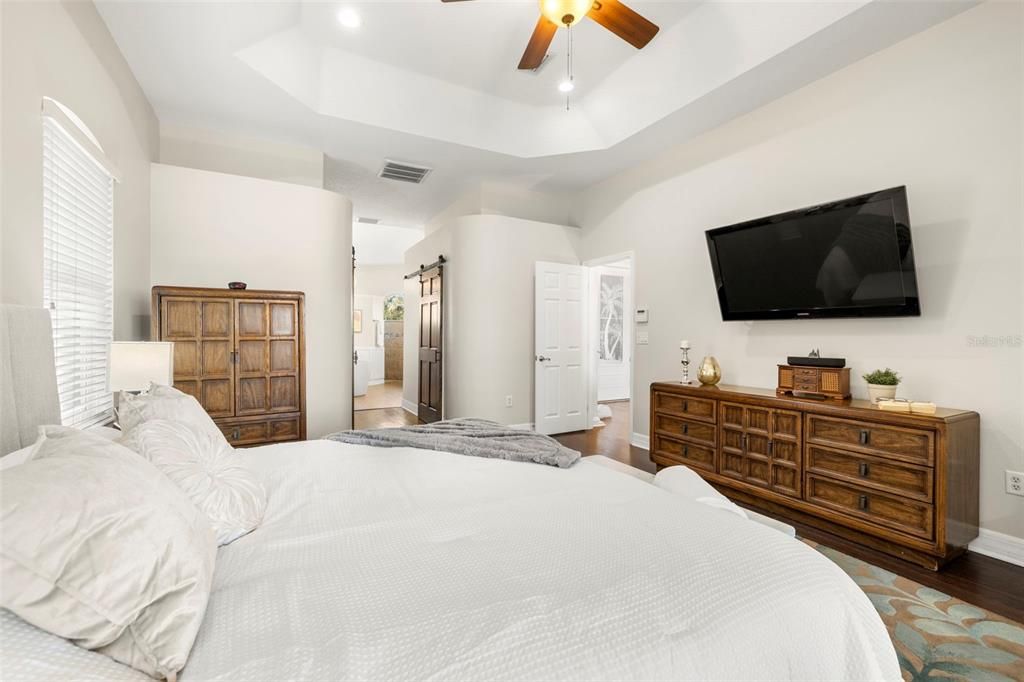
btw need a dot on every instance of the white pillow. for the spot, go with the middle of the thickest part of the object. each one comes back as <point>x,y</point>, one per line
<point>165,402</point>
<point>208,470</point>
<point>684,481</point>
<point>105,431</point>
<point>102,549</point>
<point>13,459</point>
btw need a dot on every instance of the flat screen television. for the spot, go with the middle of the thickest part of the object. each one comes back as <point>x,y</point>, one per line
<point>846,258</point>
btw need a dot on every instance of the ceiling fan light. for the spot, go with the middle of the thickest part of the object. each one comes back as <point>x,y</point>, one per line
<point>565,12</point>
<point>566,86</point>
<point>349,18</point>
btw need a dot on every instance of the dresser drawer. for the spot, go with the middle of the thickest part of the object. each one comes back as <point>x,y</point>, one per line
<point>912,445</point>
<point>685,428</point>
<point>680,405</point>
<point>881,474</point>
<point>805,379</point>
<point>668,451</point>
<point>901,514</point>
<point>258,432</point>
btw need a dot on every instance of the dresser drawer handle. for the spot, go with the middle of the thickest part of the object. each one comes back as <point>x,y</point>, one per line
<point>862,502</point>
<point>686,429</point>
<point>865,436</point>
<point>686,451</point>
<point>236,434</point>
<point>863,469</point>
<point>686,406</point>
<point>771,444</point>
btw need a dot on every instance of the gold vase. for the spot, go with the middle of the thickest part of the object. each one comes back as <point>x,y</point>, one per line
<point>709,372</point>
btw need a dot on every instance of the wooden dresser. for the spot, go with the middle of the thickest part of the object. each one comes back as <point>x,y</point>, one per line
<point>241,354</point>
<point>904,484</point>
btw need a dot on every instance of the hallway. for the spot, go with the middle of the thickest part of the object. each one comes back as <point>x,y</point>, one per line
<point>388,394</point>
<point>611,440</point>
<point>384,418</point>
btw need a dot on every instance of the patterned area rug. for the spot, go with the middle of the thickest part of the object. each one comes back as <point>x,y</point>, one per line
<point>938,637</point>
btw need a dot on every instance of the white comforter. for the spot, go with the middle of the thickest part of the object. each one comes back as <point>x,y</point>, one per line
<point>399,564</point>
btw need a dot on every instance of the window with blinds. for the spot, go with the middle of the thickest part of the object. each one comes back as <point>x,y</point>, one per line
<point>78,272</point>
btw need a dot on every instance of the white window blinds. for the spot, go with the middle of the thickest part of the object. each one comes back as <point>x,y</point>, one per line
<point>78,272</point>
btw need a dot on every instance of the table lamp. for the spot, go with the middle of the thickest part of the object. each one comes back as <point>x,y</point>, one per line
<point>133,365</point>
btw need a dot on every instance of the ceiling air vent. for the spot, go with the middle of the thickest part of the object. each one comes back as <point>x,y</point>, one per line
<point>367,221</point>
<point>404,172</point>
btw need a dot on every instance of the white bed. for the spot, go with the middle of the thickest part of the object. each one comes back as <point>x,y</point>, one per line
<point>400,564</point>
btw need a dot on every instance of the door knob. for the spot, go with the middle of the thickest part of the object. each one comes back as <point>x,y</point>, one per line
<point>541,358</point>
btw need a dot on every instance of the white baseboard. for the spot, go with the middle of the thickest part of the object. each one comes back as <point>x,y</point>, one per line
<point>522,427</point>
<point>375,382</point>
<point>999,546</point>
<point>640,440</point>
<point>409,406</point>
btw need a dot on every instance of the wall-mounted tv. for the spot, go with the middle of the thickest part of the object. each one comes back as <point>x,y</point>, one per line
<point>846,258</point>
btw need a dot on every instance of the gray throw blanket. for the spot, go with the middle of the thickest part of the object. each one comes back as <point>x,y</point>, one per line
<point>474,437</point>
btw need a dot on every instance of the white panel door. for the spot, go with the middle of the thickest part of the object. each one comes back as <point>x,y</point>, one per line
<point>560,386</point>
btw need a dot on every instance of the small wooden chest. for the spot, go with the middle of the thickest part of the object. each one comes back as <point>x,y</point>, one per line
<point>816,382</point>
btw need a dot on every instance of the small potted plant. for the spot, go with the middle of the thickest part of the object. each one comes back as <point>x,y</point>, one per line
<point>882,384</point>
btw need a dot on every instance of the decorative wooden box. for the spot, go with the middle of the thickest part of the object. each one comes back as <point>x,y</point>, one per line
<point>818,382</point>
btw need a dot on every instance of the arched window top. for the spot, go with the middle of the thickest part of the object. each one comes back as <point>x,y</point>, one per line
<point>74,126</point>
<point>73,117</point>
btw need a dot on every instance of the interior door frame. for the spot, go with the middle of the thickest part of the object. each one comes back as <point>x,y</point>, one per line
<point>352,345</point>
<point>593,316</point>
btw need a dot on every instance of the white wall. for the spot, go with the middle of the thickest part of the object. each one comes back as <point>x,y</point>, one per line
<point>379,280</point>
<point>494,198</point>
<point>225,151</point>
<point>64,51</point>
<point>941,113</point>
<point>489,318</point>
<point>382,244</point>
<point>211,228</point>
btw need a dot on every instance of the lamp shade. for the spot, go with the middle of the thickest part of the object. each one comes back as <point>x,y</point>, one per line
<point>134,364</point>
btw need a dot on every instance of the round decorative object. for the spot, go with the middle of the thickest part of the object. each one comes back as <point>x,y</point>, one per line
<point>237,285</point>
<point>709,372</point>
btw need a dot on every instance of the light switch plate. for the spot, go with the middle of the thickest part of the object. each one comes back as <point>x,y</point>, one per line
<point>641,337</point>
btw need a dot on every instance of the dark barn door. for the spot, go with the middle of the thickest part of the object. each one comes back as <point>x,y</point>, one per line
<point>431,306</point>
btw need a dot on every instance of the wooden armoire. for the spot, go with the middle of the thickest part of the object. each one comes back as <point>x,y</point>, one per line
<point>241,354</point>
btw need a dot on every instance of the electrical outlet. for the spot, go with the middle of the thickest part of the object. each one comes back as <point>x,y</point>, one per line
<point>1015,482</point>
<point>508,401</point>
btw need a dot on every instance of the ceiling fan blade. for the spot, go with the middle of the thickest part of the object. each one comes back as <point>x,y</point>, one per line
<point>541,39</point>
<point>623,22</point>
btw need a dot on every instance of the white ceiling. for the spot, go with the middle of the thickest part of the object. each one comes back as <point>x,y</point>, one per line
<point>482,43</point>
<point>435,83</point>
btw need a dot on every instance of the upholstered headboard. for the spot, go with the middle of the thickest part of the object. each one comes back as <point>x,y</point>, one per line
<point>28,380</point>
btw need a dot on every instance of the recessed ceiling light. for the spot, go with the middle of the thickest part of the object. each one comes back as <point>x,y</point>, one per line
<point>566,86</point>
<point>348,18</point>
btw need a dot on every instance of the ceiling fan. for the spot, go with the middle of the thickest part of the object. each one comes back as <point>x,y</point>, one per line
<point>554,14</point>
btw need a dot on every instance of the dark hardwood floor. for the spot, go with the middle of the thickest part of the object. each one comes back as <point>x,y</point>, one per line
<point>986,582</point>
<point>611,440</point>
